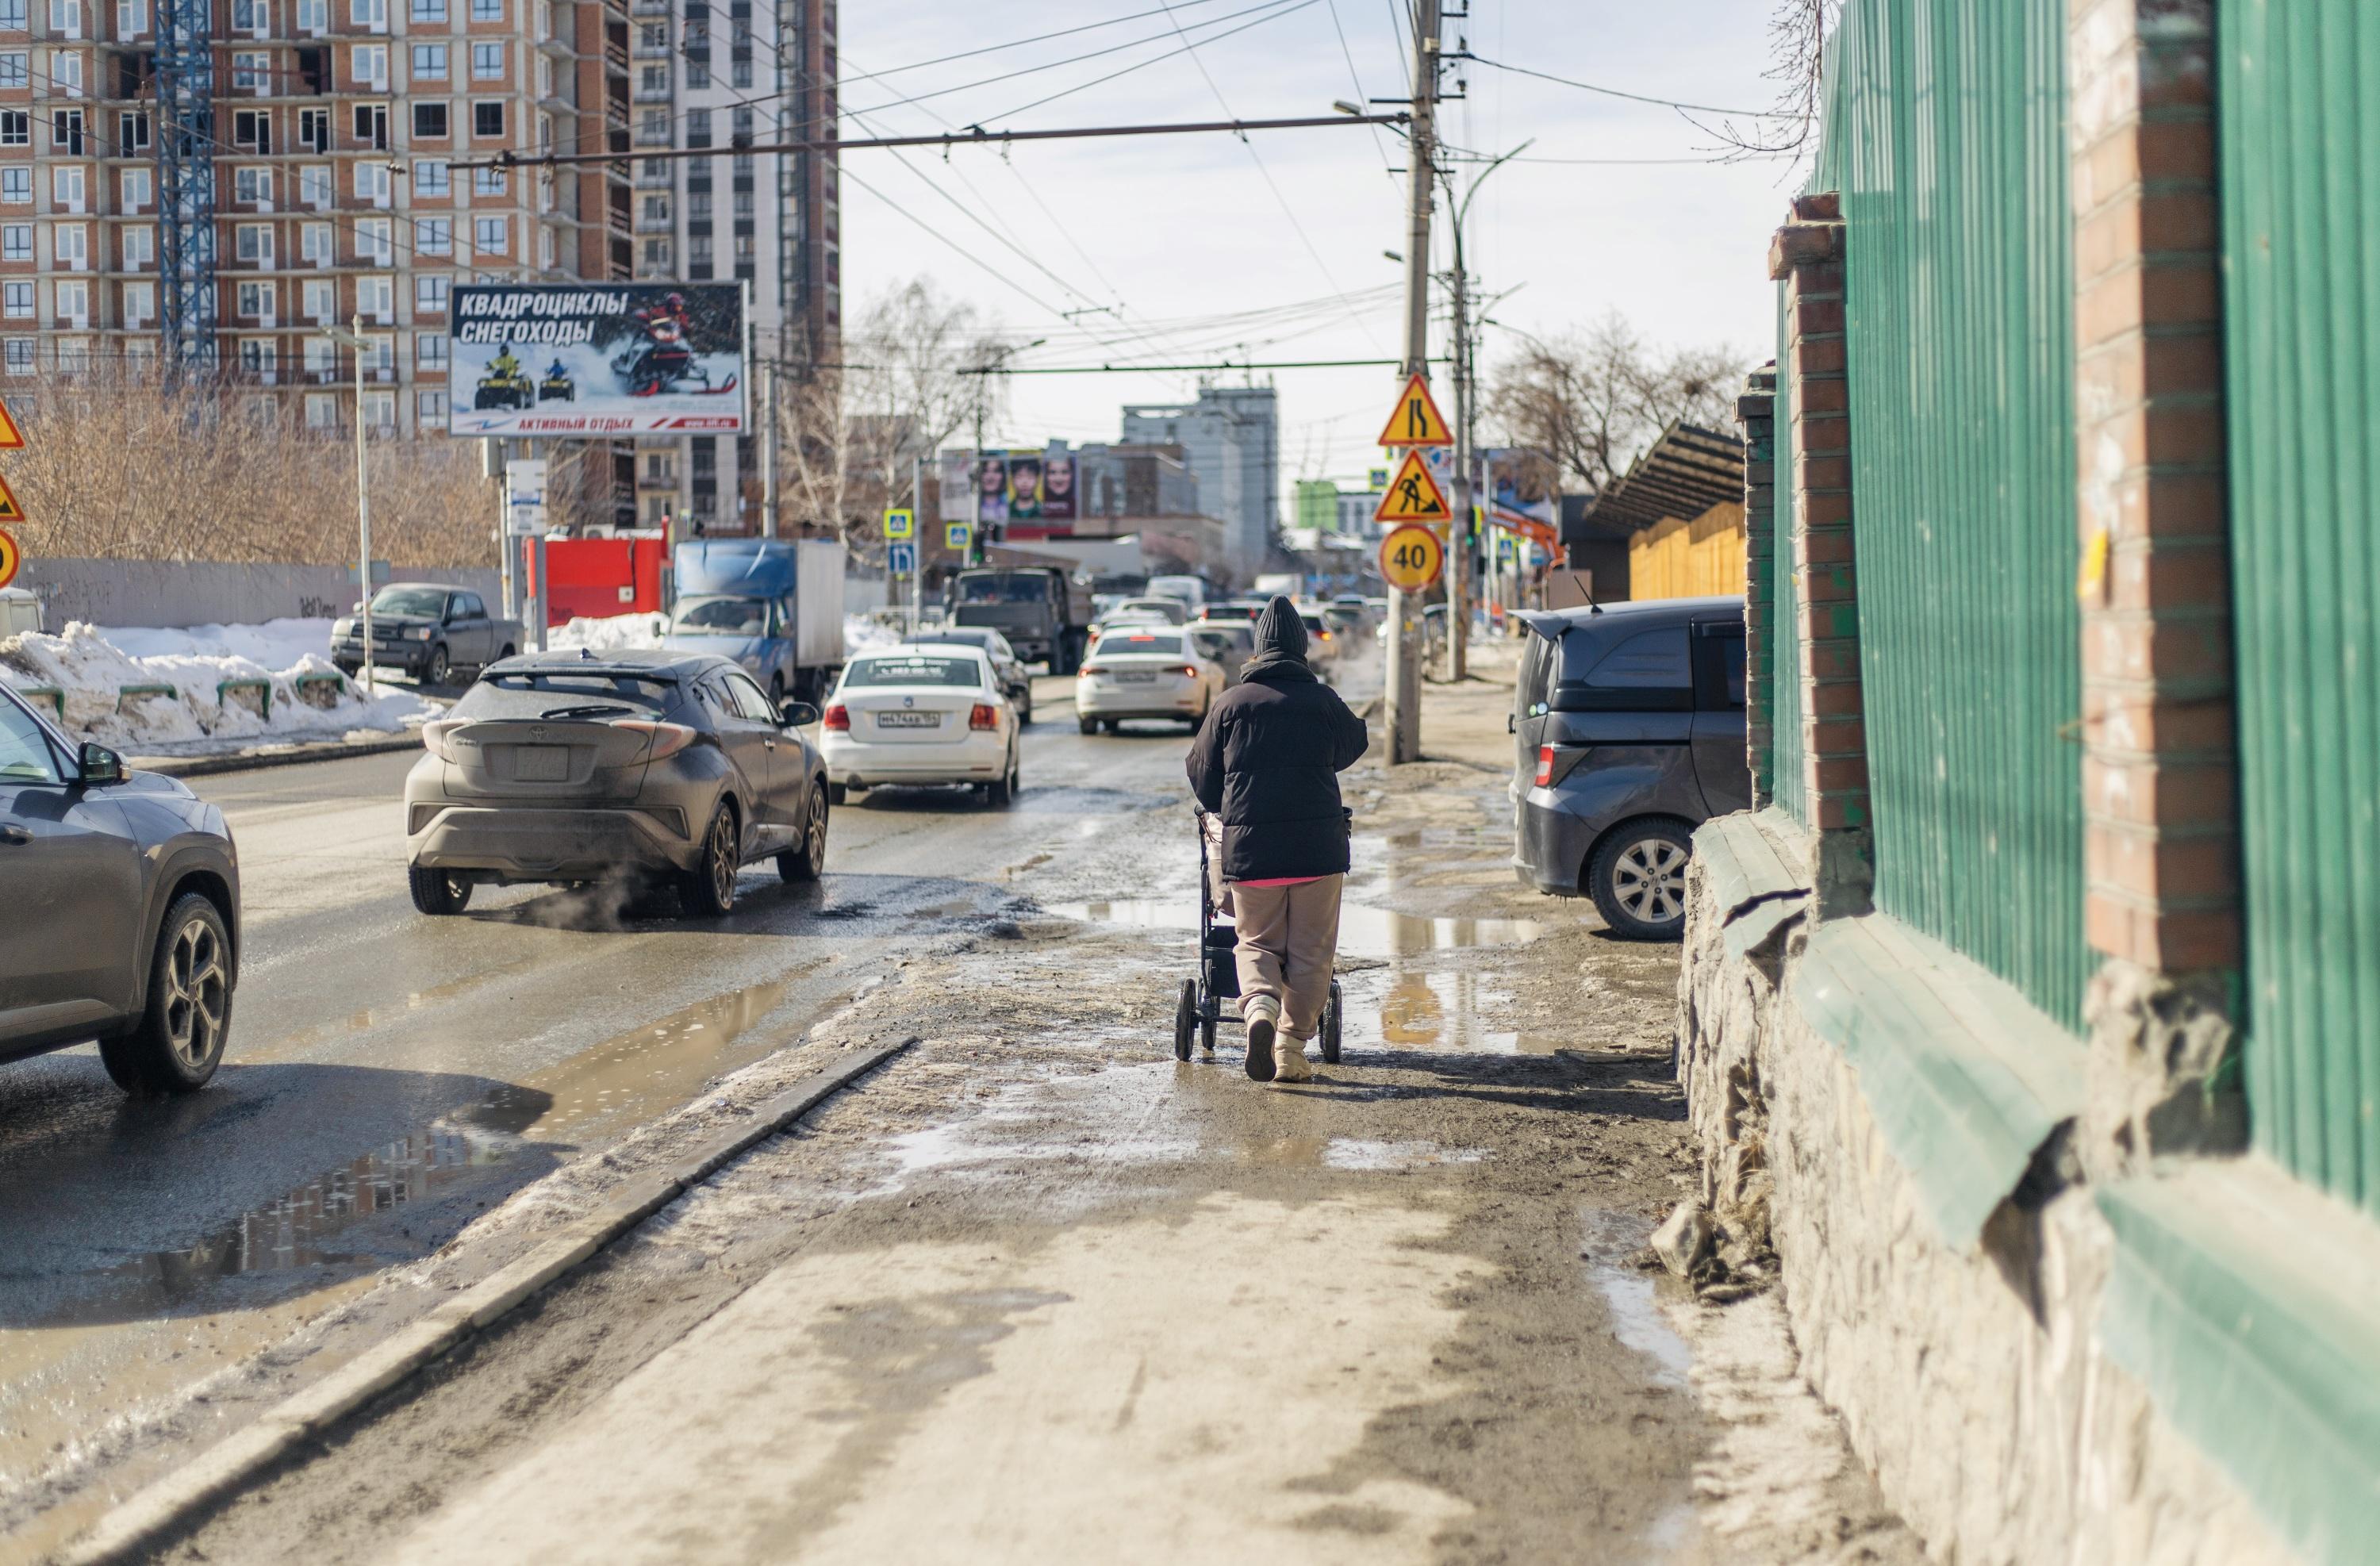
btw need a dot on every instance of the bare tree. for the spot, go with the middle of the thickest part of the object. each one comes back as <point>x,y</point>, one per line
<point>120,465</point>
<point>850,438</point>
<point>1590,400</point>
<point>1798,31</point>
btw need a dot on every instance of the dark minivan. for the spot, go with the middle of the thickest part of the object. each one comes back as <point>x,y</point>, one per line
<point>1628,726</point>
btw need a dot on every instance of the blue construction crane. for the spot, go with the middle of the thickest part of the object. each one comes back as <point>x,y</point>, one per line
<point>186,182</point>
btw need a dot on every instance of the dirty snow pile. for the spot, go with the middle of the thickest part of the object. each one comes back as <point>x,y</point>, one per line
<point>861,632</point>
<point>207,710</point>
<point>609,634</point>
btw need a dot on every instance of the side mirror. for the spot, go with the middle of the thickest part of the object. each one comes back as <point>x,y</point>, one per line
<point>800,714</point>
<point>100,766</point>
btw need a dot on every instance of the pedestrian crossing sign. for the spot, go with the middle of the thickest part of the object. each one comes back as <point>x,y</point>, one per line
<point>957,534</point>
<point>1415,421</point>
<point>900,522</point>
<point>1414,495</point>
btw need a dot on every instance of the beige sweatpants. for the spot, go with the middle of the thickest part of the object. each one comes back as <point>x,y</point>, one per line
<point>1287,938</point>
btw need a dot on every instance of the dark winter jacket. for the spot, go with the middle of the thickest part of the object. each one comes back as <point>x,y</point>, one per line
<point>1266,761</point>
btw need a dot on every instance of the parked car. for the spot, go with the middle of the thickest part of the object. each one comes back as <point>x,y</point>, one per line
<point>1152,673</point>
<point>1324,642</point>
<point>1628,732</point>
<point>428,629</point>
<point>1229,643</point>
<point>1015,679</point>
<point>921,714</point>
<point>650,763</point>
<point>123,925</point>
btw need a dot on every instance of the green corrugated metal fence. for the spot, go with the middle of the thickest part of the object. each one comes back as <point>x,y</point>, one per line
<point>2300,118</point>
<point>1785,745</point>
<point>1946,136</point>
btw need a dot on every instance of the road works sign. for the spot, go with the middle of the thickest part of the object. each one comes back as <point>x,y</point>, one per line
<point>11,438</point>
<point>9,510</point>
<point>1414,495</point>
<point>1415,421</point>
<point>900,522</point>
<point>1411,559</point>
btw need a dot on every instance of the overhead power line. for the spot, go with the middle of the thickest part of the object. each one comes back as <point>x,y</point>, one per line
<point>1224,364</point>
<point>974,136</point>
<point>1632,97</point>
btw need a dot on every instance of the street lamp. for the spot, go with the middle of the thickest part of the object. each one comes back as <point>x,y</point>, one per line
<point>356,340</point>
<point>1458,585</point>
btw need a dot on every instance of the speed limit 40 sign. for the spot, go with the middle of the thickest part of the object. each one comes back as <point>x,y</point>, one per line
<point>1410,558</point>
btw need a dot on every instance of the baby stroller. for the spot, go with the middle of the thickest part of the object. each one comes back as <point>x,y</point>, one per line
<point>1200,1009</point>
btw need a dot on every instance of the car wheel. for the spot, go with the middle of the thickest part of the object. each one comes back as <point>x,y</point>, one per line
<point>1087,726</point>
<point>436,667</point>
<point>178,1041</point>
<point>1003,793</point>
<point>1637,878</point>
<point>436,892</point>
<point>836,793</point>
<point>708,890</point>
<point>1024,709</point>
<point>808,861</point>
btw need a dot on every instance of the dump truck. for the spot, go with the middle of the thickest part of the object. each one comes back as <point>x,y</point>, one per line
<point>1044,613</point>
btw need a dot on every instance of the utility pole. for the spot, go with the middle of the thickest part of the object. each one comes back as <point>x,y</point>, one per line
<point>1403,695</point>
<point>1458,553</point>
<point>355,342</point>
<point>769,375</point>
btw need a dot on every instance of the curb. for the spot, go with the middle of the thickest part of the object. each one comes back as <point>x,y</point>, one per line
<point>177,1499</point>
<point>256,761</point>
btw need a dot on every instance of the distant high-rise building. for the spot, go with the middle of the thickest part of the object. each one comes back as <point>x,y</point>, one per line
<point>1230,438</point>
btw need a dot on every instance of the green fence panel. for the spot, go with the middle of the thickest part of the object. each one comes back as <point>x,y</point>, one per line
<point>1946,135</point>
<point>2299,115</point>
<point>1785,745</point>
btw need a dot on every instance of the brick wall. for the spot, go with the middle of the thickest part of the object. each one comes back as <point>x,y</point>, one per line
<point>1807,257</point>
<point>1756,409</point>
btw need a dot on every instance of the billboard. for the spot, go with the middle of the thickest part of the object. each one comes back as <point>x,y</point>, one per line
<point>1030,494</point>
<point>603,360</point>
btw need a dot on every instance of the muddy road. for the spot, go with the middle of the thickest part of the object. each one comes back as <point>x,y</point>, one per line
<point>1032,1291</point>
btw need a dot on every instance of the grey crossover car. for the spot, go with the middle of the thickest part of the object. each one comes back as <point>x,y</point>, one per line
<point>569,768</point>
<point>1629,729</point>
<point>123,920</point>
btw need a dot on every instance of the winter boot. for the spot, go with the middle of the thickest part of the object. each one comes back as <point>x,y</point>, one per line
<point>1261,1019</point>
<point>1289,1060</point>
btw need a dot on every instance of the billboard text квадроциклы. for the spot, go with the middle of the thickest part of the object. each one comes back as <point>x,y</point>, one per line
<point>611,359</point>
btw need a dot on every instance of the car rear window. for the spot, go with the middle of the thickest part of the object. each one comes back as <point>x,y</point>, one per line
<point>1140,641</point>
<point>539,693</point>
<point>1656,660</point>
<point>913,671</point>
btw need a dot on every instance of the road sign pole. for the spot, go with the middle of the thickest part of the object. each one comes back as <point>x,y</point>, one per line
<point>1403,673</point>
<point>917,577</point>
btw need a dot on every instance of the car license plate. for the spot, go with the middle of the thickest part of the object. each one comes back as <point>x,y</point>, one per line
<point>1137,677</point>
<point>541,763</point>
<point>909,720</point>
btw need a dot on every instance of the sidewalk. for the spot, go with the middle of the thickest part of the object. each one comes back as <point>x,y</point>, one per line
<point>1035,1293</point>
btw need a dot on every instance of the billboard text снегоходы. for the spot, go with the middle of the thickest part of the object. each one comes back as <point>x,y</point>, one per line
<point>603,360</point>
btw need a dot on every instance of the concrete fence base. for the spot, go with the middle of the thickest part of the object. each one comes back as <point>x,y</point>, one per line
<point>209,592</point>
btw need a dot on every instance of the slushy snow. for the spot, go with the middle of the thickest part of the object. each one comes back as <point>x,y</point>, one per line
<point>92,665</point>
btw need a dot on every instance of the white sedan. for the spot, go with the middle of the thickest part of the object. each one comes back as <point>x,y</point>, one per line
<point>1136,672</point>
<point>920,714</point>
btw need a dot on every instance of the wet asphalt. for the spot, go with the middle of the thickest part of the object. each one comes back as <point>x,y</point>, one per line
<point>392,1076</point>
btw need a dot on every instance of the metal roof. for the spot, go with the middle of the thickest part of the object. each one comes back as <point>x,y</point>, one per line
<point>1684,473</point>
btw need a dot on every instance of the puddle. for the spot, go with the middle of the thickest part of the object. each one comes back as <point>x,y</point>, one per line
<point>1443,1011</point>
<point>1353,1153</point>
<point>1363,932</point>
<point>1606,1238</point>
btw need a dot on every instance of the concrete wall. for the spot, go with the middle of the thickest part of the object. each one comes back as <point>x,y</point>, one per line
<point>204,593</point>
<point>1972,1379</point>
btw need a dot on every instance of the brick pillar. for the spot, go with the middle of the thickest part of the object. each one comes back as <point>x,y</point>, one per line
<point>2159,771</point>
<point>1756,409</point>
<point>1807,257</point>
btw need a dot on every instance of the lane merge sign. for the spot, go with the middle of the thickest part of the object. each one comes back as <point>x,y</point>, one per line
<point>900,522</point>
<point>1415,421</point>
<point>1410,558</point>
<point>11,438</point>
<point>1414,495</point>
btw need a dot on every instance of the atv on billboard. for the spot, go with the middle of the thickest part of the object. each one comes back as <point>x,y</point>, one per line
<point>603,360</point>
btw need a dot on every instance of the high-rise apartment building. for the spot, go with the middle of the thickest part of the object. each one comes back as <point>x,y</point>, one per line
<point>328,158</point>
<point>1230,438</point>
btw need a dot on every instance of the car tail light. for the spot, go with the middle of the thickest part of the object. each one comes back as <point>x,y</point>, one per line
<point>983,715</point>
<point>838,718</point>
<point>1191,670</point>
<point>668,739</point>
<point>1092,669</point>
<point>1545,765</point>
<point>433,737</point>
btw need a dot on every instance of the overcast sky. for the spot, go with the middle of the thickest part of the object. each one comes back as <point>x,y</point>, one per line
<point>1177,236</point>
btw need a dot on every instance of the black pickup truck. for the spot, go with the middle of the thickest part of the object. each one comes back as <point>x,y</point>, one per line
<point>427,629</point>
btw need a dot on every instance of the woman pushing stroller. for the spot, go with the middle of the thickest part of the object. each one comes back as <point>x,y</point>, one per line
<point>1267,763</point>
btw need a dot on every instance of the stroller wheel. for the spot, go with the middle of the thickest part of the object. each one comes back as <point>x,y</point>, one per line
<point>1334,1012</point>
<point>1185,1018</point>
